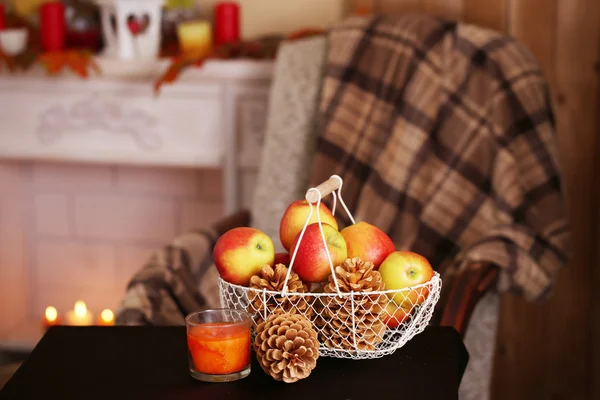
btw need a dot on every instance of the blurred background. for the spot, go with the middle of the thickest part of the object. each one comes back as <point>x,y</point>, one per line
<point>79,214</point>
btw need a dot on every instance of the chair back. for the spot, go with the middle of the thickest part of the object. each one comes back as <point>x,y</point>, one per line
<point>290,136</point>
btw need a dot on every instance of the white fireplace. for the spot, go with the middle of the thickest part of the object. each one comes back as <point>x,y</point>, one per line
<point>95,174</point>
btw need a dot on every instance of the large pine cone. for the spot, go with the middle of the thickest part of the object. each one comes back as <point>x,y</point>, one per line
<point>286,347</point>
<point>272,279</point>
<point>335,319</point>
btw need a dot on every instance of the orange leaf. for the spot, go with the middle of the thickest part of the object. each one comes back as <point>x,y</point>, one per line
<point>53,62</point>
<point>77,63</point>
<point>170,76</point>
<point>178,64</point>
<point>79,69</point>
<point>304,33</point>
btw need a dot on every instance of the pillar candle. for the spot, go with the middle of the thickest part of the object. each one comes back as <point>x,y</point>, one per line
<point>2,24</point>
<point>227,22</point>
<point>52,26</point>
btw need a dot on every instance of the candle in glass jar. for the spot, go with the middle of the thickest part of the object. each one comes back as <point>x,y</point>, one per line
<point>52,26</point>
<point>80,315</point>
<point>217,350</point>
<point>219,344</point>
<point>195,38</point>
<point>227,22</point>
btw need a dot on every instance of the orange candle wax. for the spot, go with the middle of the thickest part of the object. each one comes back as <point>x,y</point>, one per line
<point>219,348</point>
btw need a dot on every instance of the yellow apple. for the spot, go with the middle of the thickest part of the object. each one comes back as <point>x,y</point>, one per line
<point>241,252</point>
<point>403,270</point>
<point>295,216</point>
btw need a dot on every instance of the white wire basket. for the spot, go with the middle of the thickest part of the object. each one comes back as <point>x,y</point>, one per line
<point>354,325</point>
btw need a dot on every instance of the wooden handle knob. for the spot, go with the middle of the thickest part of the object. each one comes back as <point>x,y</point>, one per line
<point>324,188</point>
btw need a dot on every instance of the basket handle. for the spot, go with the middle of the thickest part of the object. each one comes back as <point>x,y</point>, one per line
<point>326,188</point>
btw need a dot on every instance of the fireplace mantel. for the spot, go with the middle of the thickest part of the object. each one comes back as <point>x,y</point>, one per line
<point>212,117</point>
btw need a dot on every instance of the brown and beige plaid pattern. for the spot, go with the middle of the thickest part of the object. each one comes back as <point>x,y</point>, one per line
<point>444,136</point>
<point>175,281</point>
<point>178,279</point>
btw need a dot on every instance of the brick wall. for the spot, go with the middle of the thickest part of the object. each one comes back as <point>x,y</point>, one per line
<point>74,231</point>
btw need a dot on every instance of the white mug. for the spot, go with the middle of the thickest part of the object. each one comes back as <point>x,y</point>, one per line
<point>13,41</point>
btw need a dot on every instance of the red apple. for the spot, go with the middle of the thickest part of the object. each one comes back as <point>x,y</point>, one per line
<point>240,253</point>
<point>395,315</point>
<point>282,258</point>
<point>294,218</point>
<point>311,262</point>
<point>368,242</point>
<point>405,269</point>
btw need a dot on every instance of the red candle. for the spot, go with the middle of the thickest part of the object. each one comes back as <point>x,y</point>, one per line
<point>53,26</point>
<point>1,16</point>
<point>227,22</point>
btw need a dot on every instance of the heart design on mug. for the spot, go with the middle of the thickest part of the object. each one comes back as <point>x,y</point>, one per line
<point>137,25</point>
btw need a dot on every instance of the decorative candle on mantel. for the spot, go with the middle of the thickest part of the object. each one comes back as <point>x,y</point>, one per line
<point>80,315</point>
<point>2,24</point>
<point>107,318</point>
<point>227,22</point>
<point>195,38</point>
<point>52,26</point>
<point>50,317</point>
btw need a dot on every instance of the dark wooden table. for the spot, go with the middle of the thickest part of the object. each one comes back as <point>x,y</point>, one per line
<point>151,363</point>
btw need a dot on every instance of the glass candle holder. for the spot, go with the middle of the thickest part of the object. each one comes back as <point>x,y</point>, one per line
<point>219,344</point>
<point>195,38</point>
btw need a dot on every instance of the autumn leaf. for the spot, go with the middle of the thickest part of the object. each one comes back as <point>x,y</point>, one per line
<point>171,74</point>
<point>260,49</point>
<point>53,62</point>
<point>305,33</point>
<point>79,62</point>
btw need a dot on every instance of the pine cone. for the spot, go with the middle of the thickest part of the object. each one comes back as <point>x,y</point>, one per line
<point>272,279</point>
<point>335,319</point>
<point>286,347</point>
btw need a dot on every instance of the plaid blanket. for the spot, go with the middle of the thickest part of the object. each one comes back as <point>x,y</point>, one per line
<point>444,136</point>
<point>178,279</point>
